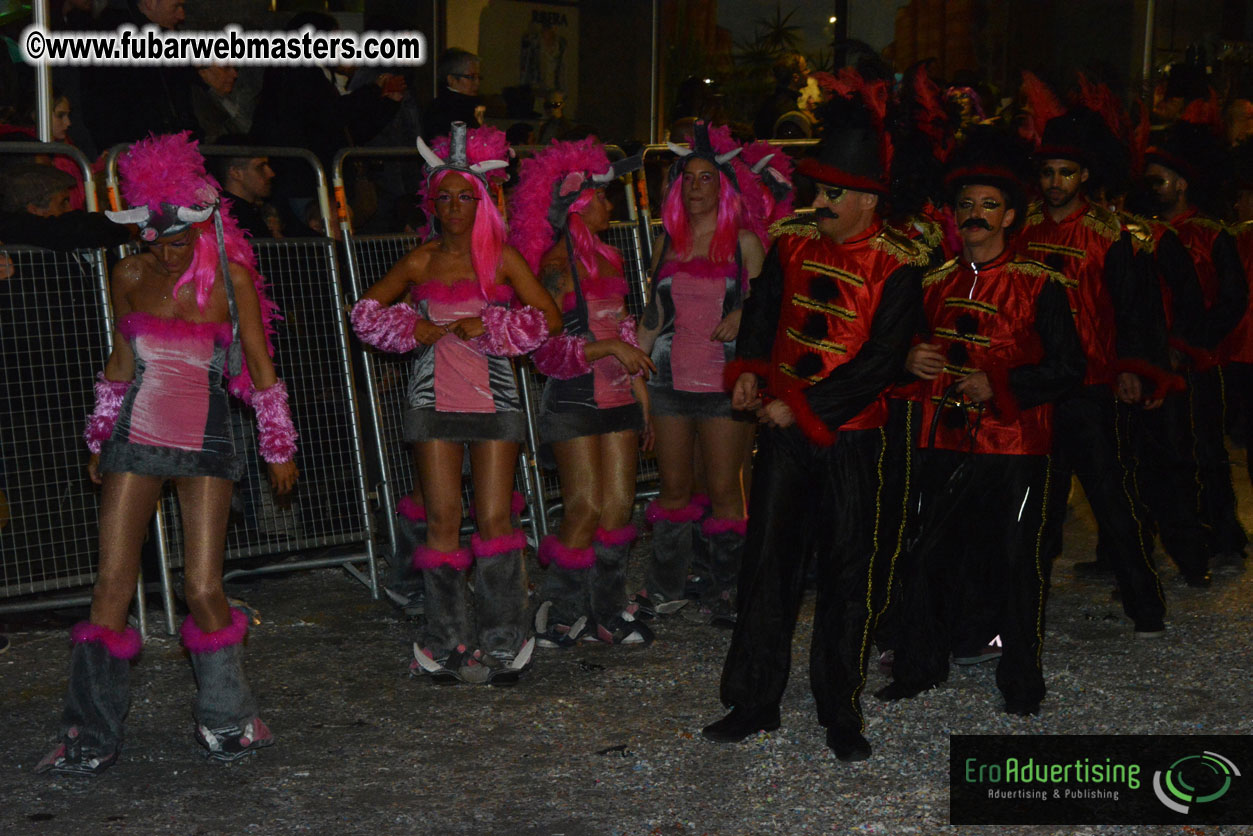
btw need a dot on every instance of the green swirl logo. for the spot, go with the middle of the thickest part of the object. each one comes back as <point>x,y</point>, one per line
<point>1194,779</point>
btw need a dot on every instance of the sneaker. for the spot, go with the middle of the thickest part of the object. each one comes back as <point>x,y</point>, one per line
<point>624,628</point>
<point>459,665</point>
<point>231,743</point>
<point>505,667</point>
<point>984,654</point>
<point>655,606</point>
<point>410,602</point>
<point>1150,630</point>
<point>553,634</point>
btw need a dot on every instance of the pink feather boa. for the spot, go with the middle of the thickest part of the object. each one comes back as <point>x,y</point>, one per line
<point>562,357</point>
<point>511,332</point>
<point>497,545</point>
<point>387,328</point>
<point>712,526</point>
<point>109,395</point>
<point>554,552</point>
<point>411,510</point>
<point>627,331</point>
<point>429,559</point>
<point>123,645</point>
<point>276,436</point>
<point>198,641</point>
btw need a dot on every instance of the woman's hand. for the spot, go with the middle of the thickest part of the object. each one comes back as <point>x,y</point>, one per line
<point>283,477</point>
<point>467,328</point>
<point>427,332</point>
<point>728,328</point>
<point>634,360</point>
<point>776,414</point>
<point>924,361</point>
<point>744,392</point>
<point>647,436</point>
<point>93,469</point>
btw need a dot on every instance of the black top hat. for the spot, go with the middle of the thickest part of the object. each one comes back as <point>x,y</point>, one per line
<point>991,157</point>
<point>1191,149</point>
<point>852,150</point>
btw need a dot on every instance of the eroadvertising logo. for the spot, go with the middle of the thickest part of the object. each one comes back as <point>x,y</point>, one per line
<point>1100,779</point>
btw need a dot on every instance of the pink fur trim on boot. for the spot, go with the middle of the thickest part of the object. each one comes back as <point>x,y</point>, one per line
<point>688,513</point>
<point>387,328</point>
<point>427,558</point>
<point>562,357</point>
<point>198,641</point>
<point>712,526</point>
<point>552,550</point>
<point>510,332</point>
<point>276,435</point>
<point>123,645</point>
<point>411,510</point>
<point>616,536</point>
<point>109,395</point>
<point>497,545</point>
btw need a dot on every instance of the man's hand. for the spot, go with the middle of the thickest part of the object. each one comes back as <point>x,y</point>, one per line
<point>924,361</point>
<point>744,392</point>
<point>1128,388</point>
<point>776,414</point>
<point>976,387</point>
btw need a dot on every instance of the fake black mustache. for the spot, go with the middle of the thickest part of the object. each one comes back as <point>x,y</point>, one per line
<point>971,223</point>
<point>826,213</point>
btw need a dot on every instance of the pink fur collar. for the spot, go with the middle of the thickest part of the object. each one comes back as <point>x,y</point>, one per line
<point>458,291</point>
<point>138,324</point>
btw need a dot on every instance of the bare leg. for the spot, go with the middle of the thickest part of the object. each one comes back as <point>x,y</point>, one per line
<point>416,492</point>
<point>439,472</point>
<point>675,439</point>
<point>579,469</point>
<point>126,507</point>
<point>619,457</point>
<point>492,465</point>
<point>723,443</point>
<point>205,503</point>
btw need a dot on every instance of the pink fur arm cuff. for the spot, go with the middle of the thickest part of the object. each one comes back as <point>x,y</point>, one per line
<point>510,332</point>
<point>109,394</point>
<point>276,435</point>
<point>563,357</point>
<point>387,328</point>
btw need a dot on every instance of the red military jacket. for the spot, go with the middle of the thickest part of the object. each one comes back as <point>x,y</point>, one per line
<point>813,310</point>
<point>1222,278</point>
<point>1079,248</point>
<point>1239,344</point>
<point>1009,318</point>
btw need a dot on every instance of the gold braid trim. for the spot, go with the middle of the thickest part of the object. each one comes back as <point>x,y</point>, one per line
<point>803,226</point>
<point>940,273</point>
<point>814,342</point>
<point>901,247</point>
<point>1103,221</point>
<point>971,304</point>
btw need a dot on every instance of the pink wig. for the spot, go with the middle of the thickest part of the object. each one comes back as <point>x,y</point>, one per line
<point>482,144</point>
<point>487,239</point>
<point>727,232</point>
<point>768,193</point>
<point>530,230</point>
<point>169,169</point>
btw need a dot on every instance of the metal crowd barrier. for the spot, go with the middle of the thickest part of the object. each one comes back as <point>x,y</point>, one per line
<point>329,510</point>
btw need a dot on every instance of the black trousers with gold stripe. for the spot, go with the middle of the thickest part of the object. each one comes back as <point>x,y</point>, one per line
<point>977,566</point>
<point>808,500</point>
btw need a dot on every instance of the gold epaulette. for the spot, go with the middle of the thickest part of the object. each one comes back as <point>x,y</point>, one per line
<point>929,231</point>
<point>1031,267</point>
<point>795,224</point>
<point>900,246</point>
<point>1035,214</point>
<point>1242,228</point>
<point>1103,221</point>
<point>1141,232</point>
<point>1208,223</point>
<point>940,273</point>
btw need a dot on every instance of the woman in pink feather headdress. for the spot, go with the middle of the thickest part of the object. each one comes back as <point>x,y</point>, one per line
<point>590,411</point>
<point>463,304</point>
<point>189,313</point>
<point>711,249</point>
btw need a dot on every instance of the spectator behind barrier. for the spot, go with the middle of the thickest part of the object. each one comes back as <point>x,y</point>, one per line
<point>459,100</point>
<point>217,112</point>
<point>246,182</point>
<point>790,75</point>
<point>34,210</point>
<point>124,104</point>
<point>310,107</point>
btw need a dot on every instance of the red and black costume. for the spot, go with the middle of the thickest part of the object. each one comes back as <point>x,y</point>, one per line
<point>1118,319</point>
<point>1224,288</point>
<point>826,329</point>
<point>1237,349</point>
<point>978,565</point>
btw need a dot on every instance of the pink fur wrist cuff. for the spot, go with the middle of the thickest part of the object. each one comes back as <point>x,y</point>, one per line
<point>387,328</point>
<point>109,395</point>
<point>510,332</point>
<point>276,435</point>
<point>563,357</point>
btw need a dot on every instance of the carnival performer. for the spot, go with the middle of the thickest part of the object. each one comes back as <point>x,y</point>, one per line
<point>823,335</point>
<point>998,346</point>
<point>450,301</point>
<point>189,310</point>
<point>590,410</point>
<point>703,264</point>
